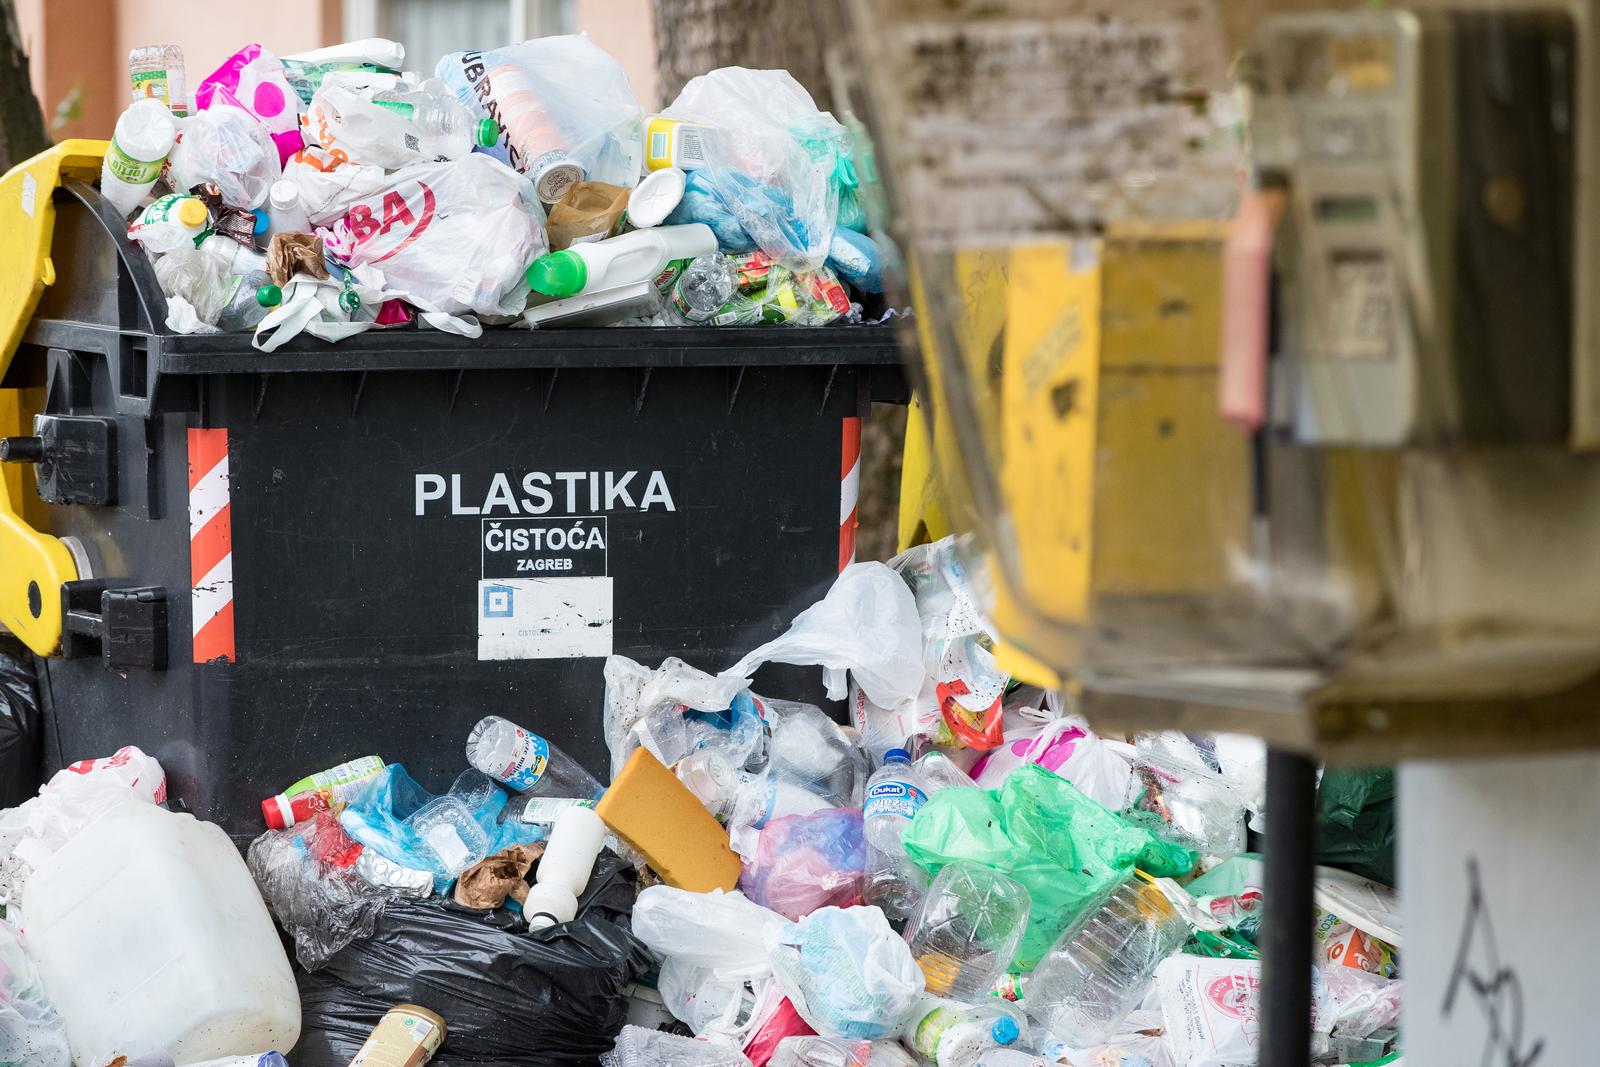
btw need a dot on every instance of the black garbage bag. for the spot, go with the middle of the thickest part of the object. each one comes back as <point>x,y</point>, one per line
<point>21,757</point>
<point>508,997</point>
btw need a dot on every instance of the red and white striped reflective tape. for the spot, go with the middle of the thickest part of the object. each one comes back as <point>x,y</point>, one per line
<point>210,546</point>
<point>849,490</point>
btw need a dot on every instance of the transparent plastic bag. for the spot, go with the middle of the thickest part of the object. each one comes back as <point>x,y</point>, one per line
<point>646,707</point>
<point>724,933</point>
<point>195,290</point>
<point>31,1031</point>
<point>821,1052</point>
<point>321,907</point>
<point>866,625</point>
<point>453,237</point>
<point>638,1047</point>
<point>775,162</point>
<point>559,99</point>
<point>1178,793</point>
<point>847,972</point>
<point>230,149</point>
<point>806,862</point>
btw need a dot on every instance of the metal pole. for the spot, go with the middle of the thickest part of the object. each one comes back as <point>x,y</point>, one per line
<point>1286,916</point>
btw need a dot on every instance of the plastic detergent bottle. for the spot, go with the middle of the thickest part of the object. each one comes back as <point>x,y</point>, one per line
<point>638,256</point>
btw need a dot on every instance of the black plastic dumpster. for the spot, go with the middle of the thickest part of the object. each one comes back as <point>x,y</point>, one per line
<point>292,559</point>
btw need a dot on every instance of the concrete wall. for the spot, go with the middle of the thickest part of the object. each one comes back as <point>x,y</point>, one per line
<point>82,45</point>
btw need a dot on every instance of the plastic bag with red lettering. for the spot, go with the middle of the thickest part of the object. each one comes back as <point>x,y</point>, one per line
<point>452,237</point>
<point>253,81</point>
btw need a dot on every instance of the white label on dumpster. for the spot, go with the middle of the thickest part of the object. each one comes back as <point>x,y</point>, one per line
<point>544,618</point>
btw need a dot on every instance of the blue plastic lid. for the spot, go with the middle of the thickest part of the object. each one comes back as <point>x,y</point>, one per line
<point>261,221</point>
<point>1005,1030</point>
<point>897,755</point>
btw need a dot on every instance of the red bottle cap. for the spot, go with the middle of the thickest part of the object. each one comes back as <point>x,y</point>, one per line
<point>281,812</point>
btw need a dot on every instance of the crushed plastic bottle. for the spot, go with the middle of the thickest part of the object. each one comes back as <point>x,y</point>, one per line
<point>707,283</point>
<point>967,929</point>
<point>1103,964</point>
<point>156,73</point>
<point>527,763</point>
<point>894,794</point>
<point>955,1035</point>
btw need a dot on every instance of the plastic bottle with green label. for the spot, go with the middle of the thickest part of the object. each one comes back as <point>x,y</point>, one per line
<point>144,135</point>
<point>527,763</point>
<point>950,1034</point>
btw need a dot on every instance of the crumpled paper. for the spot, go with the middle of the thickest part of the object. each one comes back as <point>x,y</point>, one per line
<point>489,882</point>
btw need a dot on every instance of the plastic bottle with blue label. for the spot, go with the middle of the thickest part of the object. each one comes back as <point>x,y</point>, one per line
<point>523,761</point>
<point>894,795</point>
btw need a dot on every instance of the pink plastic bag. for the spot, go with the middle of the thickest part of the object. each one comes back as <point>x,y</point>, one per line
<point>1064,746</point>
<point>253,81</point>
<point>806,862</point>
<point>780,1025</point>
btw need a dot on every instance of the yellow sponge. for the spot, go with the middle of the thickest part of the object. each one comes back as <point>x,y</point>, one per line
<point>660,819</point>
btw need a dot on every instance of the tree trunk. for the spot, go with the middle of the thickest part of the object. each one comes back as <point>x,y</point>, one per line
<point>21,123</point>
<point>694,36</point>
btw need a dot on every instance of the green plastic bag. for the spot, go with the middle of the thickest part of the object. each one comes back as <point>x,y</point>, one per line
<point>1067,850</point>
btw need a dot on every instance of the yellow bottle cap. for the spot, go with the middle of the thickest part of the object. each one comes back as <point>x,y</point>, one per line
<point>192,212</point>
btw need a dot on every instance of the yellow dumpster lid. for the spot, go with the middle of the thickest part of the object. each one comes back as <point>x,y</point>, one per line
<point>27,225</point>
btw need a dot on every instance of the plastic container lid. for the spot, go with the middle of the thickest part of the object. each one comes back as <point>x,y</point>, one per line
<point>1005,1030</point>
<point>897,755</point>
<point>653,199</point>
<point>269,296</point>
<point>191,212</point>
<point>558,274</point>
<point>487,133</point>
<point>261,221</point>
<point>281,812</point>
<point>283,194</point>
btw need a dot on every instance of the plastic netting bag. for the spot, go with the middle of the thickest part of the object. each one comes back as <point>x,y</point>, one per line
<point>638,1047</point>
<point>847,972</point>
<point>322,908</point>
<point>776,163</point>
<point>562,103</point>
<point>806,862</point>
<point>31,1030</point>
<point>1067,850</point>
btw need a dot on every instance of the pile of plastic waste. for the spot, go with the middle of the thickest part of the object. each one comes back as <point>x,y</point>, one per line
<point>330,192</point>
<point>967,875</point>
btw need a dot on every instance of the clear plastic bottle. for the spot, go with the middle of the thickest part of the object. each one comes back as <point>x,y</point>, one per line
<point>445,129</point>
<point>707,283</point>
<point>966,930</point>
<point>955,1035</point>
<point>156,72</point>
<point>522,760</point>
<point>143,137</point>
<point>1102,965</point>
<point>894,794</point>
<point>246,300</point>
<point>940,772</point>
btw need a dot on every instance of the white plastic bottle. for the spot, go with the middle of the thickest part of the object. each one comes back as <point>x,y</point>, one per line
<point>170,223</point>
<point>565,868</point>
<point>143,138</point>
<point>956,1035</point>
<point>894,795</point>
<point>631,258</point>
<point>522,760</point>
<point>286,210</point>
<point>1101,966</point>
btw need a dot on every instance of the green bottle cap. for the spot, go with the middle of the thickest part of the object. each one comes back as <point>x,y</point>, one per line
<point>488,133</point>
<point>558,274</point>
<point>269,296</point>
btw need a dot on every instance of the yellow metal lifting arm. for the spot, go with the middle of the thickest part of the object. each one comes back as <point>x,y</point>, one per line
<point>33,565</point>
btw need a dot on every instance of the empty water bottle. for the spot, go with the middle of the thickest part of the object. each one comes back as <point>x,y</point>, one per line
<point>522,760</point>
<point>966,930</point>
<point>442,126</point>
<point>706,284</point>
<point>948,1034</point>
<point>894,795</point>
<point>1101,967</point>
